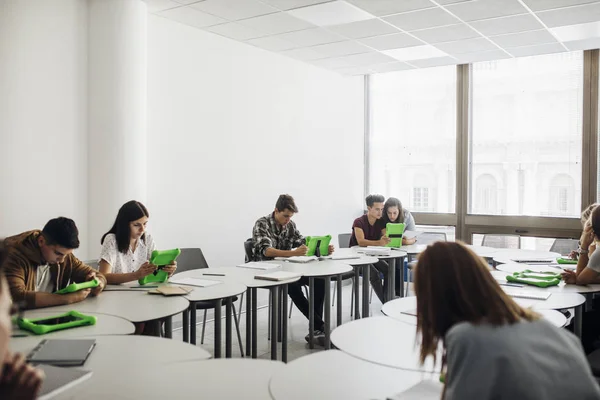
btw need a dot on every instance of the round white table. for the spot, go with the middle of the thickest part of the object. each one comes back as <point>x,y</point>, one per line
<point>511,255</point>
<point>106,324</point>
<point>484,251</point>
<point>512,267</point>
<point>130,367</point>
<point>341,376</point>
<point>391,258</point>
<point>384,341</point>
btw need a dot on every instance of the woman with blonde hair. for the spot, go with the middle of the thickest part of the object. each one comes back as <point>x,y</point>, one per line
<point>492,347</point>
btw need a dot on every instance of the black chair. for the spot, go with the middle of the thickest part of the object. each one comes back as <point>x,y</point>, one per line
<point>92,263</point>
<point>344,240</point>
<point>248,250</point>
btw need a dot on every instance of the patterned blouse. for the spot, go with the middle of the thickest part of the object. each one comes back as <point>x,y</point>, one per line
<point>126,262</point>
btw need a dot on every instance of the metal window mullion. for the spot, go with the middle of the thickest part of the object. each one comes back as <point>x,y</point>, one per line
<point>589,140</point>
<point>463,123</point>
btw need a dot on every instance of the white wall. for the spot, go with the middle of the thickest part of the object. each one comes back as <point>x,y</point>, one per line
<point>230,127</point>
<point>43,111</point>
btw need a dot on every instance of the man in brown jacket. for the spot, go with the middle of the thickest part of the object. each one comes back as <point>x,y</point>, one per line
<point>38,263</point>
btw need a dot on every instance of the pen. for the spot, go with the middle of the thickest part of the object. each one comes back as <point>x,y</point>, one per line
<point>510,284</point>
<point>143,287</point>
<point>211,274</point>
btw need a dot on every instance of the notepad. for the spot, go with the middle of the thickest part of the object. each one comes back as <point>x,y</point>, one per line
<point>424,390</point>
<point>535,261</point>
<point>62,352</point>
<point>375,250</point>
<point>59,379</point>
<point>278,276</point>
<point>528,295</point>
<point>302,259</point>
<point>195,282</point>
<point>171,291</point>
<point>259,265</point>
<point>348,257</point>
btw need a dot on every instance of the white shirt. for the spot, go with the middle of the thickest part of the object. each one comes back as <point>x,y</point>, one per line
<point>43,278</point>
<point>126,262</point>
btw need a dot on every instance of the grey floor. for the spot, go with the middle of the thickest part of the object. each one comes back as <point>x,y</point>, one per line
<point>297,326</point>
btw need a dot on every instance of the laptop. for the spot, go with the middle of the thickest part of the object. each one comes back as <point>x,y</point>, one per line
<point>62,352</point>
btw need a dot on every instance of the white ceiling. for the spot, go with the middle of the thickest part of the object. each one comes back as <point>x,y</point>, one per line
<point>356,37</point>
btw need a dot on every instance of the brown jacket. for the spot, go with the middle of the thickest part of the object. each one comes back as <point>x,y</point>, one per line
<point>23,257</point>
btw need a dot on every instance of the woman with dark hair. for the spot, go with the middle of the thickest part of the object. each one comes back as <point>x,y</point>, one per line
<point>394,213</point>
<point>127,247</point>
<point>492,347</point>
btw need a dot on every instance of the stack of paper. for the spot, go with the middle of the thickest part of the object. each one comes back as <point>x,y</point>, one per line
<point>278,276</point>
<point>302,259</point>
<point>259,265</point>
<point>375,250</point>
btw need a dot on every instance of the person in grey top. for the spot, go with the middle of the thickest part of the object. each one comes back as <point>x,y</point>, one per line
<point>588,263</point>
<point>394,213</point>
<point>494,348</point>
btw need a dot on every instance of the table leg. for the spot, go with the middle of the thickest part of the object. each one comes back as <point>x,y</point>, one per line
<point>392,279</point>
<point>274,324</point>
<point>228,311</point>
<point>578,320</point>
<point>280,318</point>
<point>311,312</point>
<point>249,322</point>
<point>192,322</point>
<point>186,325</point>
<point>365,297</point>
<point>168,327</point>
<point>355,288</point>
<point>218,305</point>
<point>339,300</point>
<point>254,324</point>
<point>327,307</point>
<point>401,279</point>
<point>284,326</point>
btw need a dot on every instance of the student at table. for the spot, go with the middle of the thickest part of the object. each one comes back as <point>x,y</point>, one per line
<point>494,348</point>
<point>38,263</point>
<point>368,230</point>
<point>18,380</point>
<point>588,263</point>
<point>394,213</point>
<point>127,246</point>
<point>585,216</point>
<point>276,235</point>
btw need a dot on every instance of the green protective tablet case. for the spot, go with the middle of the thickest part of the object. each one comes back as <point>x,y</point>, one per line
<point>32,326</point>
<point>539,279</point>
<point>394,232</point>
<point>160,258</point>
<point>75,287</point>
<point>311,243</point>
<point>561,260</point>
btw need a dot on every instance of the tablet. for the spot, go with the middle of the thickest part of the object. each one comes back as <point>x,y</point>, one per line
<point>394,232</point>
<point>318,245</point>
<point>160,258</point>
<point>75,287</point>
<point>41,326</point>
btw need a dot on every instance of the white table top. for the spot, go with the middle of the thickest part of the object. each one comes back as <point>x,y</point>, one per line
<point>509,255</point>
<point>484,251</point>
<point>394,253</point>
<point>228,287</point>
<point>336,375</point>
<point>362,260</point>
<point>245,276</point>
<point>134,306</point>
<point>395,308</point>
<point>384,341</point>
<point>562,287</point>
<point>314,268</point>
<point>105,325</point>
<point>512,267</point>
<point>126,367</point>
<point>413,249</point>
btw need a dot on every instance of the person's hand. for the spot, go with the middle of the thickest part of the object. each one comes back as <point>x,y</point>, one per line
<point>574,255</point>
<point>384,240</point>
<point>331,249</point>
<point>78,296</point>
<point>569,277</point>
<point>95,291</point>
<point>170,269</point>
<point>145,269</point>
<point>19,380</point>
<point>300,251</point>
<point>409,241</point>
<point>587,236</point>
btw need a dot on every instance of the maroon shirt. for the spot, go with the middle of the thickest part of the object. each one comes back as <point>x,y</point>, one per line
<point>372,232</point>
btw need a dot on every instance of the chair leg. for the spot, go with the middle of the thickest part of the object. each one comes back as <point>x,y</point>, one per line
<point>203,327</point>
<point>334,289</point>
<point>241,306</point>
<point>352,298</point>
<point>269,319</point>
<point>237,328</point>
<point>291,305</point>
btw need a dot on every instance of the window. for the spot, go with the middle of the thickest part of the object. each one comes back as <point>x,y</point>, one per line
<point>526,138</point>
<point>412,142</point>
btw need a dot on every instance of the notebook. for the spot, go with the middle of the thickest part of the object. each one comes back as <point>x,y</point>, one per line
<point>171,291</point>
<point>195,282</point>
<point>259,265</point>
<point>424,390</point>
<point>60,379</point>
<point>278,276</point>
<point>62,352</point>
<point>302,259</point>
<point>528,295</point>
<point>535,261</point>
<point>348,257</point>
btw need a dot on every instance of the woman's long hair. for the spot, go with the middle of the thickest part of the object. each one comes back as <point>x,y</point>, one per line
<point>392,202</point>
<point>130,211</point>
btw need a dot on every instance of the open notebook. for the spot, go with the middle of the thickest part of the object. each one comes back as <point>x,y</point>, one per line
<point>59,379</point>
<point>62,352</point>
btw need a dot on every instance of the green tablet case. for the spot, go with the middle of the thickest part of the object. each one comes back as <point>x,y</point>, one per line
<point>539,279</point>
<point>561,260</point>
<point>394,232</point>
<point>323,247</point>
<point>160,258</point>
<point>75,287</point>
<point>31,324</point>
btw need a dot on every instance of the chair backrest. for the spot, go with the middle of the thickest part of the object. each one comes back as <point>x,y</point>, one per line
<point>248,250</point>
<point>191,258</point>
<point>344,240</point>
<point>431,237</point>
<point>92,263</point>
<point>564,246</point>
<point>2,249</point>
<point>502,241</point>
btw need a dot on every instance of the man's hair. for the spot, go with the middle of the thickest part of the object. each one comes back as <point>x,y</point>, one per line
<point>63,232</point>
<point>286,202</point>
<point>374,198</point>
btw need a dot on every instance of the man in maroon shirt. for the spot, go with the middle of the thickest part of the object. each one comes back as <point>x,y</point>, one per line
<point>368,231</point>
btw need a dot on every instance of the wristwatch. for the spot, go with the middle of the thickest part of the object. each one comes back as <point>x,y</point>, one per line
<point>582,251</point>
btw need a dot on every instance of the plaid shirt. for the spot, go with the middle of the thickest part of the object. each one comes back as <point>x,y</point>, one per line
<point>267,233</point>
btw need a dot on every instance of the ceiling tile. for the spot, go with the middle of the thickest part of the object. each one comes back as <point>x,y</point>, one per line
<point>526,51</point>
<point>586,44</point>
<point>424,19</point>
<point>539,5</point>
<point>353,71</point>
<point>434,62</point>
<point>388,7</point>
<point>415,53</point>
<point>355,60</point>
<point>291,4</point>
<point>363,29</point>
<point>191,17</point>
<point>340,49</point>
<point>274,24</point>
<point>466,46</point>
<point>482,56</point>
<point>160,5</point>
<point>502,25</point>
<point>236,31</point>
<point>311,37</point>
<point>333,13</point>
<point>484,9</point>
<point>577,32</point>
<point>571,15</point>
<point>446,33</point>
<point>272,43</point>
<point>304,54</point>
<point>395,41</point>
<point>234,9</point>
<point>524,39</point>
<point>390,67</point>
<point>185,1</point>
